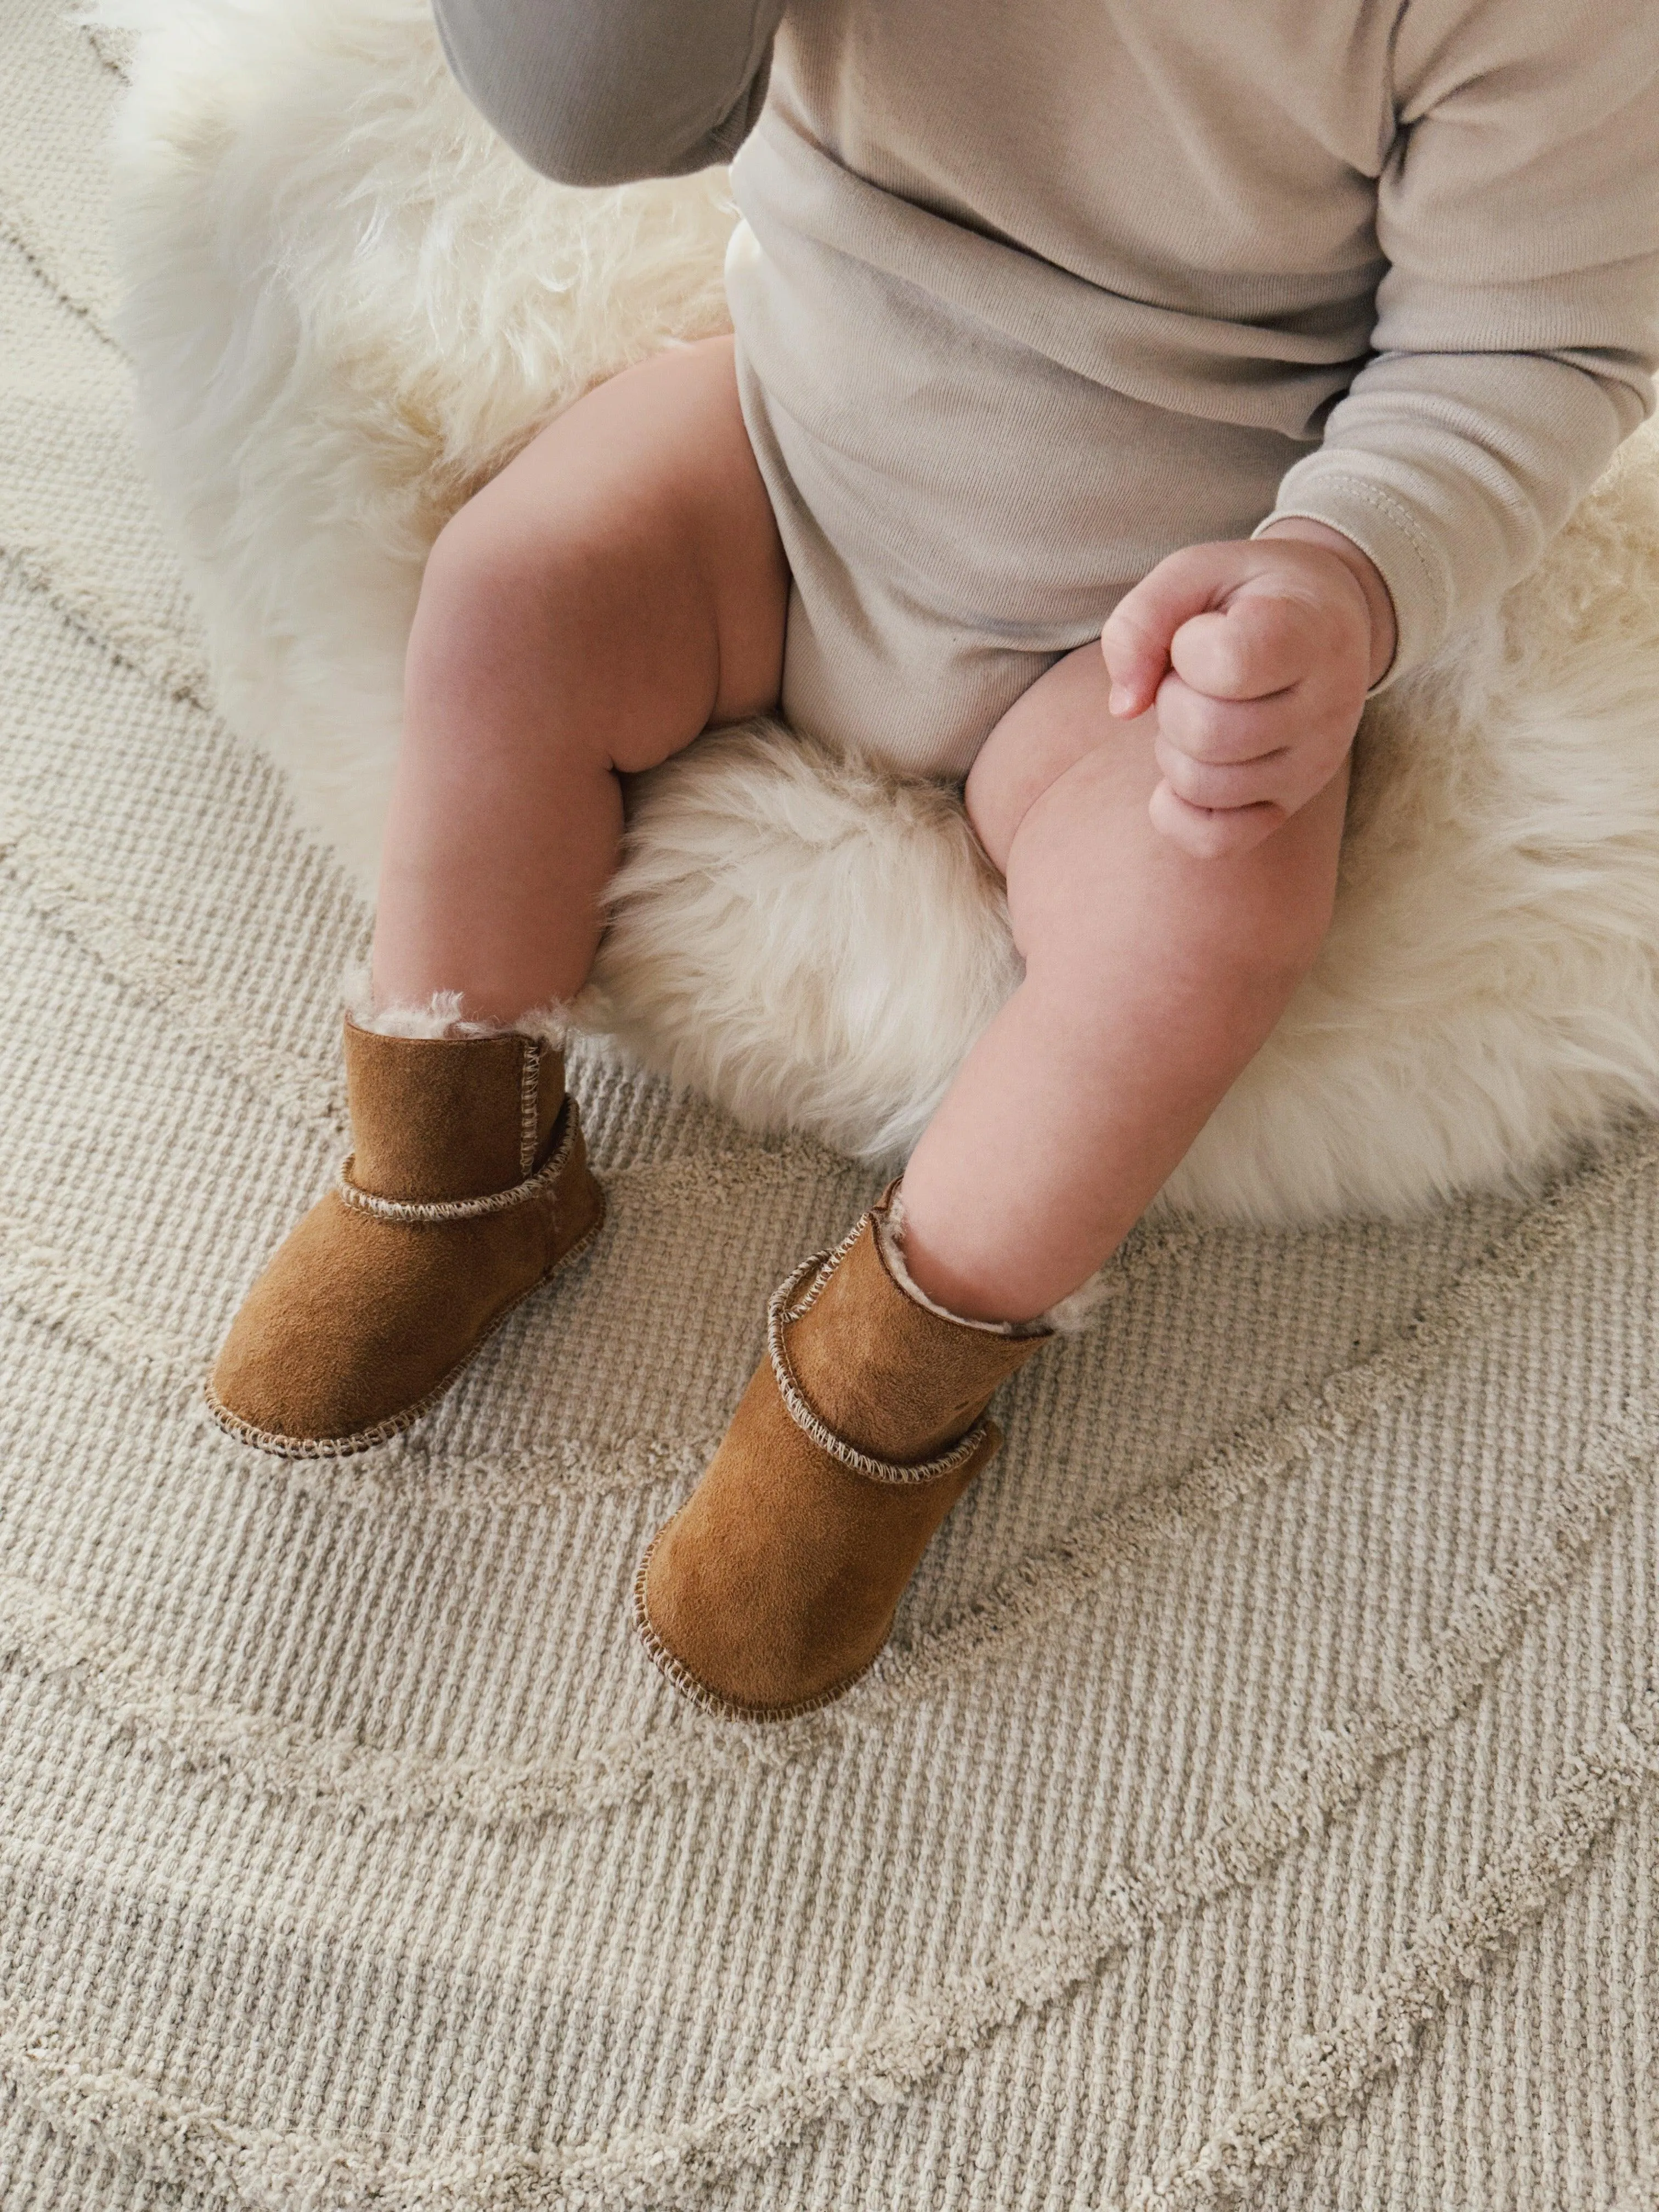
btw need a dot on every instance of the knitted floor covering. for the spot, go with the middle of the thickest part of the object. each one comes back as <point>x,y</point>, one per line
<point>1259,1800</point>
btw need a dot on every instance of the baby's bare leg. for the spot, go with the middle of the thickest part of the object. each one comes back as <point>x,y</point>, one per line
<point>1152,979</point>
<point>616,589</point>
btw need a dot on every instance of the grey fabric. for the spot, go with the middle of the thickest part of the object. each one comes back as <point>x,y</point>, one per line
<point>598,95</point>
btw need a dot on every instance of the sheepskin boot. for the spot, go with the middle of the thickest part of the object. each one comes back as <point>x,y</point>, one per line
<point>774,1587</point>
<point>467,1187</point>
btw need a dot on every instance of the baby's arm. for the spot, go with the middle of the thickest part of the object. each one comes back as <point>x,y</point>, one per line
<point>1518,324</point>
<point>606,93</point>
<point>1516,337</point>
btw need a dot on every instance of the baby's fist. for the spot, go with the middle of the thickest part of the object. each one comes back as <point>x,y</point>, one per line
<point>1257,654</point>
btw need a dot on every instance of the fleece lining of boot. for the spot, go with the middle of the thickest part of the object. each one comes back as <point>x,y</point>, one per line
<point>1067,1316</point>
<point>440,1017</point>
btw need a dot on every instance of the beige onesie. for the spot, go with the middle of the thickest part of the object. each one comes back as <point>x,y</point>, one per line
<point>1027,297</point>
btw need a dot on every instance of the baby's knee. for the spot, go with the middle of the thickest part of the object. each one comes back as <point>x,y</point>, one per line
<point>1094,885</point>
<point>516,606</point>
<point>1058,718</point>
<point>483,592</point>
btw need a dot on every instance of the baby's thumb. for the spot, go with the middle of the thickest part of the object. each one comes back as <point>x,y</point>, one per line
<point>1137,635</point>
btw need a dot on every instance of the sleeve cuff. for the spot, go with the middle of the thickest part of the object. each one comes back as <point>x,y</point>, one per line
<point>1385,530</point>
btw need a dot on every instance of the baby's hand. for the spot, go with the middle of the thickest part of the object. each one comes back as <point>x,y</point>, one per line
<point>1258,654</point>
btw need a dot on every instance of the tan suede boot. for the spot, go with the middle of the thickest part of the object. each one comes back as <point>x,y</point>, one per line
<point>468,1186</point>
<point>774,1587</point>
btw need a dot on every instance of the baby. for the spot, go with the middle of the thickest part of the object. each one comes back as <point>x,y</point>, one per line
<point>1276,338</point>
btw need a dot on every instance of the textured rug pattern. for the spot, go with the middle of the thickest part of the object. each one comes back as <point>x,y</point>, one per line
<point>1261,1798</point>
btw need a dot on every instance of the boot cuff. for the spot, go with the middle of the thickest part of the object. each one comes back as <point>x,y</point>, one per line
<point>440,1017</point>
<point>1067,1316</point>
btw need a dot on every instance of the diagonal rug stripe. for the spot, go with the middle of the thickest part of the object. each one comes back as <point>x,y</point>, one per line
<point>174,2139</point>
<point>1326,2074</point>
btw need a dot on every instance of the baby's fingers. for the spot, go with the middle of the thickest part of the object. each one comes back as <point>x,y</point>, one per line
<point>1224,731</point>
<point>1252,783</point>
<point>1259,642</point>
<point>1138,631</point>
<point>1206,834</point>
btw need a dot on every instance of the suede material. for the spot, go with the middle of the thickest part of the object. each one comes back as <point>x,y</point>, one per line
<point>778,1580</point>
<point>775,1584</point>
<point>887,1375</point>
<point>440,1117</point>
<point>357,1321</point>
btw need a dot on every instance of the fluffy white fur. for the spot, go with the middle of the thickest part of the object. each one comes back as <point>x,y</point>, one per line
<point>441,1016</point>
<point>809,939</point>
<point>348,305</point>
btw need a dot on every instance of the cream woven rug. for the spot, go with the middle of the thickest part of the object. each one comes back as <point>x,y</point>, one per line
<point>1261,1798</point>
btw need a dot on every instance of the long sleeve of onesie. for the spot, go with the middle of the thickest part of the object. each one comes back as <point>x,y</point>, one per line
<point>603,94</point>
<point>1517,322</point>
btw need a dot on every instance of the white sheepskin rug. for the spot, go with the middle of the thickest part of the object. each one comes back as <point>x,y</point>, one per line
<point>348,304</point>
